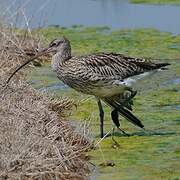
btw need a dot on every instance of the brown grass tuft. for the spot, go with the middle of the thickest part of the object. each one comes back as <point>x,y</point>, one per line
<point>36,142</point>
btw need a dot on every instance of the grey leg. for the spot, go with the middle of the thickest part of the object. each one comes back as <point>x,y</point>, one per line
<point>101,115</point>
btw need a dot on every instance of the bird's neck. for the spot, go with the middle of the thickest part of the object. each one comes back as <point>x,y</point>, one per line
<point>59,58</point>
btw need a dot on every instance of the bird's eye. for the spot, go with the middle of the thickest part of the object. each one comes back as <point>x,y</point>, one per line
<point>53,44</point>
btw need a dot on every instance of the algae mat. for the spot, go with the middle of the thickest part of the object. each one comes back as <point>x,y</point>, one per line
<point>151,154</point>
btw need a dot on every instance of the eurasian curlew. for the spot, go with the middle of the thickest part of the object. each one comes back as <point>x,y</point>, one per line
<point>107,76</point>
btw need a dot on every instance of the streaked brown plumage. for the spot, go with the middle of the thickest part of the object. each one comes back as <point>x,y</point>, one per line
<point>102,75</point>
<point>100,72</point>
<point>108,76</point>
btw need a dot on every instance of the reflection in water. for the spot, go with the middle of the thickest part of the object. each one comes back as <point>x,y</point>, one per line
<point>115,14</point>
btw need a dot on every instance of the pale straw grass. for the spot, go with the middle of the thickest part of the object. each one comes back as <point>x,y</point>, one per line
<point>36,140</point>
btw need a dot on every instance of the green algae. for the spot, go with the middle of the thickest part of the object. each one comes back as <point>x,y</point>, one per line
<point>159,2</point>
<point>138,42</point>
<point>153,153</point>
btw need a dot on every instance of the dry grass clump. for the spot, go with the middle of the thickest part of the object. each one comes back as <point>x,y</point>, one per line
<point>35,140</point>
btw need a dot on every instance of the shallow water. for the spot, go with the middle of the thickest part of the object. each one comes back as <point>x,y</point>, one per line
<point>158,112</point>
<point>54,87</point>
<point>151,153</point>
<point>115,13</point>
<point>177,107</point>
<point>175,81</point>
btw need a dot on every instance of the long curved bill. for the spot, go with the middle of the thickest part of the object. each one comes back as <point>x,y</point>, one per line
<point>41,53</point>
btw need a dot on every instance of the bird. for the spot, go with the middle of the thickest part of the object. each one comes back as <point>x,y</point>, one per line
<point>109,77</point>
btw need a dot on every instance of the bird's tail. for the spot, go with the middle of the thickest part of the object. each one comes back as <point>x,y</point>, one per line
<point>123,111</point>
<point>162,65</point>
<point>151,66</point>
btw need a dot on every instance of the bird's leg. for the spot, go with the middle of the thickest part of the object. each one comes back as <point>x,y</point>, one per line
<point>130,95</point>
<point>115,142</point>
<point>123,132</point>
<point>115,118</point>
<point>101,115</point>
<point>126,100</point>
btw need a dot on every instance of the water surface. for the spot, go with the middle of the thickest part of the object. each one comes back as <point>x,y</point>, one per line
<point>113,13</point>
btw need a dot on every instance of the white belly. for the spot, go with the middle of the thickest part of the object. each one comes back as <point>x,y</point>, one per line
<point>109,90</point>
<point>118,87</point>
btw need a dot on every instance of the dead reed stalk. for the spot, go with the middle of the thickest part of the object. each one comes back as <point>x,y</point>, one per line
<point>36,142</point>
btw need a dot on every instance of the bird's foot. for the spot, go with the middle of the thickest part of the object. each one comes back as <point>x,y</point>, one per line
<point>115,145</point>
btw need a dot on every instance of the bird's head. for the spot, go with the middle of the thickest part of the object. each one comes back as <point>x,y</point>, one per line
<point>61,45</point>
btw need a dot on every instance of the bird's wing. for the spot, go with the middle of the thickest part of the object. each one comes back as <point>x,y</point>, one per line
<point>118,65</point>
<point>123,111</point>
